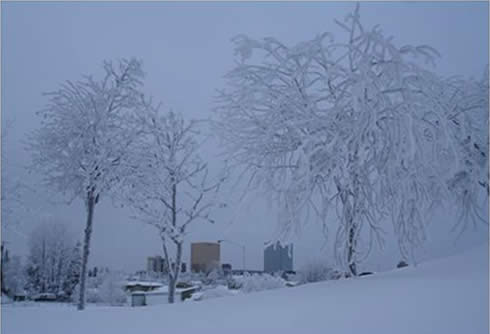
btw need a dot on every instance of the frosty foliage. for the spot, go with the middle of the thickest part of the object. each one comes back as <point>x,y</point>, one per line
<point>86,134</point>
<point>356,127</point>
<point>214,277</point>
<point>168,186</point>
<point>256,282</point>
<point>53,262</point>
<point>105,289</point>
<point>14,278</point>
<point>316,271</point>
<point>111,291</point>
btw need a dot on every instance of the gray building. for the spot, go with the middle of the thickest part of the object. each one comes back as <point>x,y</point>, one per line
<point>156,264</point>
<point>278,258</point>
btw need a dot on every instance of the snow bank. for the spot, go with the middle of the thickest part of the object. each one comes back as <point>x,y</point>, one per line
<point>446,296</point>
<point>217,292</point>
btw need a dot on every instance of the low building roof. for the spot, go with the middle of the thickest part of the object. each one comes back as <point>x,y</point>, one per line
<point>163,290</point>
<point>143,283</point>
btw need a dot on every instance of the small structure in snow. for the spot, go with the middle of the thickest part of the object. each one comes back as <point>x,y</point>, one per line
<point>142,286</point>
<point>160,296</point>
<point>44,297</point>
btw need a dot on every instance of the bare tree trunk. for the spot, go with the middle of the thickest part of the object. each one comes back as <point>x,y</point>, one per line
<point>43,266</point>
<point>174,277</point>
<point>2,269</point>
<point>86,247</point>
<point>352,225</point>
<point>171,289</point>
<point>351,230</point>
<point>2,285</point>
<point>352,250</point>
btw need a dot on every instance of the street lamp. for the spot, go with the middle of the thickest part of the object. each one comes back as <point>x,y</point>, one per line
<point>236,244</point>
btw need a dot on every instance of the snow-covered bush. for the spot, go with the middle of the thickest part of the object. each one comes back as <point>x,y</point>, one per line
<point>106,289</point>
<point>92,289</point>
<point>215,277</point>
<point>253,283</point>
<point>53,262</point>
<point>91,295</point>
<point>111,291</point>
<point>233,283</point>
<point>217,292</point>
<point>212,277</point>
<point>316,271</point>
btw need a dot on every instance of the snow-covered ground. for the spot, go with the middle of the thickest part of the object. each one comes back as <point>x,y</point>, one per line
<point>445,296</point>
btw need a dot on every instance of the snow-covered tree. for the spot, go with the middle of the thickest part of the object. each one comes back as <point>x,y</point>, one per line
<point>467,115</point>
<point>51,258</point>
<point>72,277</point>
<point>14,276</point>
<point>358,126</point>
<point>85,137</point>
<point>169,187</point>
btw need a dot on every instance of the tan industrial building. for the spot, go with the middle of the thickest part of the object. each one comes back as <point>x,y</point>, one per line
<point>205,256</point>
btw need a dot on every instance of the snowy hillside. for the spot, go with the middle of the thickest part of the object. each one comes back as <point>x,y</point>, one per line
<point>445,296</point>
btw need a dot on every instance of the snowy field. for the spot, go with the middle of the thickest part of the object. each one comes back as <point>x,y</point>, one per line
<point>444,296</point>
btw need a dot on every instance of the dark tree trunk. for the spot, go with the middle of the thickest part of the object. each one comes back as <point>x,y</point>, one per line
<point>351,230</point>
<point>351,251</point>
<point>86,248</point>
<point>43,267</point>
<point>174,277</point>
<point>174,272</point>
<point>4,261</point>
<point>171,290</point>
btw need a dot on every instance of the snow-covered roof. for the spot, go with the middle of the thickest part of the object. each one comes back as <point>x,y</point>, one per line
<point>142,283</point>
<point>163,290</point>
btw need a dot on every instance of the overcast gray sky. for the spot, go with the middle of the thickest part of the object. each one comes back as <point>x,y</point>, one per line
<point>186,50</point>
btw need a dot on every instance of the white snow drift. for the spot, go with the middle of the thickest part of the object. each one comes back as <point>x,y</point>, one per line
<point>444,296</point>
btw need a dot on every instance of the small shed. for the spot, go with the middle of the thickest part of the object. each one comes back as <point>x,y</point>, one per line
<point>160,296</point>
<point>133,286</point>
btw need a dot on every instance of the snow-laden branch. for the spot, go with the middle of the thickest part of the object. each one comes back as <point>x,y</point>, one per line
<point>168,185</point>
<point>86,134</point>
<point>359,120</point>
<point>85,131</point>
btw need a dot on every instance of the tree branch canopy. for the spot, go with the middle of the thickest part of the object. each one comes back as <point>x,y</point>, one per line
<point>86,130</point>
<point>359,119</point>
<point>168,185</point>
